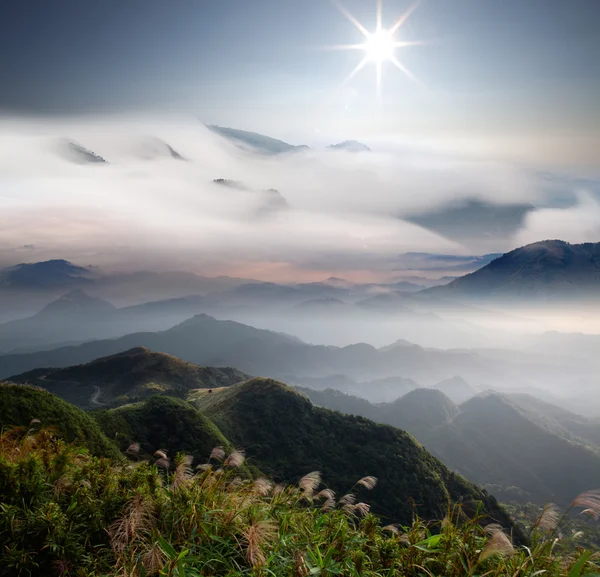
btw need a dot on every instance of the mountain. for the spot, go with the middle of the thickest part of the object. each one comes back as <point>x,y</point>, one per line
<point>206,341</point>
<point>50,273</point>
<point>456,388</point>
<point>376,391</point>
<point>21,405</point>
<point>525,450</point>
<point>474,222</point>
<point>406,286</point>
<point>128,376</point>
<point>286,436</point>
<point>343,402</point>
<point>75,316</point>
<point>151,148</point>
<point>350,146</point>
<point>80,155</point>
<point>257,142</point>
<point>418,411</point>
<point>547,270</point>
<point>75,304</point>
<point>568,424</point>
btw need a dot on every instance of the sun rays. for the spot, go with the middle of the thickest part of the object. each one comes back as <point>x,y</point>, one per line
<point>379,47</point>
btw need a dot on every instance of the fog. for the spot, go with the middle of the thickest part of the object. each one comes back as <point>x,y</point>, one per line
<point>333,211</point>
<point>173,198</point>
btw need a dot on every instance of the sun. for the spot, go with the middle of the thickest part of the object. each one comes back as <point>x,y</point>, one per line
<point>379,47</point>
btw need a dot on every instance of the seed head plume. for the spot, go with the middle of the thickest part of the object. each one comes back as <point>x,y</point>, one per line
<point>326,494</point>
<point>235,459</point>
<point>160,454</point>
<point>393,528</point>
<point>278,489</point>
<point>589,501</point>
<point>348,499</point>
<point>163,463</point>
<point>548,519</point>
<point>329,496</point>
<point>591,513</point>
<point>136,523</point>
<point>368,483</point>
<point>133,449</point>
<point>310,482</point>
<point>217,453</point>
<point>154,559</point>
<point>262,486</point>
<point>183,472</point>
<point>256,536</point>
<point>361,509</point>
<point>300,568</point>
<point>497,544</point>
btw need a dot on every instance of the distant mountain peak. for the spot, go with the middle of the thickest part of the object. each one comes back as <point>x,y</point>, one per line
<point>55,272</point>
<point>257,142</point>
<point>546,269</point>
<point>350,146</point>
<point>81,155</point>
<point>77,302</point>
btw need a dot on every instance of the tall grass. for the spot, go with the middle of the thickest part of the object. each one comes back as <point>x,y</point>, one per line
<point>64,512</point>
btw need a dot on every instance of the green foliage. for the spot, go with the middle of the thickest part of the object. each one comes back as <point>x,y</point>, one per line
<point>161,423</point>
<point>21,404</point>
<point>286,436</point>
<point>65,512</point>
<point>492,440</point>
<point>132,375</point>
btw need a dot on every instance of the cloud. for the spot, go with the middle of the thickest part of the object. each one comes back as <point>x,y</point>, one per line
<point>577,224</point>
<point>145,207</point>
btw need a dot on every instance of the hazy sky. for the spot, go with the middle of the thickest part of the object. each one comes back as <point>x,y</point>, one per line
<point>512,78</point>
<point>506,89</point>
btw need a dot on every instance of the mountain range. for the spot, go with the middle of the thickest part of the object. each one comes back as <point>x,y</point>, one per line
<point>207,341</point>
<point>520,447</point>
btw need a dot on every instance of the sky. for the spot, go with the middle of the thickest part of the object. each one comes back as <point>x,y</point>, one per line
<point>514,78</point>
<point>501,112</point>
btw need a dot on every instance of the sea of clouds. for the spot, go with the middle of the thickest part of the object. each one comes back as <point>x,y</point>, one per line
<point>318,209</point>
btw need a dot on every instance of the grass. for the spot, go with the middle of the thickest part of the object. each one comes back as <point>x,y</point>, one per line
<point>66,512</point>
<point>21,404</point>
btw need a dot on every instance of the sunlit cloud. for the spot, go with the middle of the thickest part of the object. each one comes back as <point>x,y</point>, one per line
<point>320,208</point>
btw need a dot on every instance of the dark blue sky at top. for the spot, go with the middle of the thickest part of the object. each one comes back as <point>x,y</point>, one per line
<point>491,64</point>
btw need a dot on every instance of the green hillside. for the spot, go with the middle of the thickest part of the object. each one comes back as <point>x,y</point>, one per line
<point>66,513</point>
<point>132,375</point>
<point>530,452</point>
<point>20,405</point>
<point>286,436</point>
<point>161,423</point>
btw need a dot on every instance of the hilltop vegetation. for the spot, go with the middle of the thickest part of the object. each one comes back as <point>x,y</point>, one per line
<point>65,512</point>
<point>173,425</point>
<point>526,449</point>
<point>130,376</point>
<point>32,407</point>
<point>286,436</point>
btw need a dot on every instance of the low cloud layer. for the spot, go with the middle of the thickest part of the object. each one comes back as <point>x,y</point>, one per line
<point>333,211</point>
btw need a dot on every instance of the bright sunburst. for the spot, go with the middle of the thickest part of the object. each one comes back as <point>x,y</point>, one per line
<point>380,46</point>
